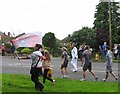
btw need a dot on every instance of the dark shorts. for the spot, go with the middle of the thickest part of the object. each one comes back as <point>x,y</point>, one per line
<point>87,66</point>
<point>108,68</point>
<point>64,65</point>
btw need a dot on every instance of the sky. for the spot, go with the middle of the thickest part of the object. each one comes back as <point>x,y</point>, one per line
<point>62,17</point>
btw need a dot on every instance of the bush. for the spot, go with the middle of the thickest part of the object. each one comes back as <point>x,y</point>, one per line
<point>26,51</point>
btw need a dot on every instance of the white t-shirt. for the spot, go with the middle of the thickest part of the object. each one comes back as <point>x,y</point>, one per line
<point>35,57</point>
<point>74,53</point>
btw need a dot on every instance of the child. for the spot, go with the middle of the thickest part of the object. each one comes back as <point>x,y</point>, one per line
<point>109,60</point>
<point>87,64</point>
<point>64,63</point>
<point>46,66</point>
<point>36,66</point>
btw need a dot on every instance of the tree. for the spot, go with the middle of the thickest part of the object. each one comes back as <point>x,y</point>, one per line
<point>101,23</point>
<point>49,40</point>
<point>85,35</point>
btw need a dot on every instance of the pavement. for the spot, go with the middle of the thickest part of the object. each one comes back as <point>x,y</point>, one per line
<point>15,66</point>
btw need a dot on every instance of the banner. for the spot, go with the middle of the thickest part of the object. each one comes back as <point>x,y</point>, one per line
<point>28,40</point>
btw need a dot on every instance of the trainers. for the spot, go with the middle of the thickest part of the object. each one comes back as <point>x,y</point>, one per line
<point>74,71</point>
<point>104,80</point>
<point>65,76</point>
<point>53,82</point>
<point>83,79</point>
<point>116,78</point>
<point>96,78</point>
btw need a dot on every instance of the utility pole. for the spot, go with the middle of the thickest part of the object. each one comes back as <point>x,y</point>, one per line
<point>110,30</point>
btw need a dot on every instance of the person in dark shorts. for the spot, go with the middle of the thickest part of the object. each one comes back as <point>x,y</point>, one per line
<point>88,64</point>
<point>64,63</point>
<point>109,60</point>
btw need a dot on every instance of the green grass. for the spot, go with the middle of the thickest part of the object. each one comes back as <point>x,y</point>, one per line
<point>23,83</point>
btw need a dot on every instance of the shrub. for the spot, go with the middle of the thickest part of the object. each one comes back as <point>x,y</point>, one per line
<point>26,51</point>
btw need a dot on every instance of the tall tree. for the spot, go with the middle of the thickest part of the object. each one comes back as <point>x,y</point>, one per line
<point>101,23</point>
<point>49,40</point>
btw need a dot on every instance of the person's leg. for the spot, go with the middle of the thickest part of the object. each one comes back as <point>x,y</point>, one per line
<point>66,72</point>
<point>45,76</point>
<point>38,85</point>
<point>113,74</point>
<point>84,72</point>
<point>62,71</point>
<point>91,71</point>
<point>72,62</point>
<point>107,74</point>
<point>74,65</point>
<point>84,75</point>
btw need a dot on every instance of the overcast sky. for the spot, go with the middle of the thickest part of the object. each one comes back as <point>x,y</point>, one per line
<point>61,17</point>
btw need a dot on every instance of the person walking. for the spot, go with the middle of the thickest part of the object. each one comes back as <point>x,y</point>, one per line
<point>115,49</point>
<point>109,60</point>
<point>12,50</point>
<point>64,63</point>
<point>104,50</point>
<point>3,49</point>
<point>36,66</point>
<point>46,63</point>
<point>88,64</point>
<point>74,54</point>
<point>118,52</point>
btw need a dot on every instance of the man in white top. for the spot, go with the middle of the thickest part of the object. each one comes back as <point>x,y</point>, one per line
<point>74,54</point>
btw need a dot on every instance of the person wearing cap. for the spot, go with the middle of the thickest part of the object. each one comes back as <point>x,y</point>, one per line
<point>64,63</point>
<point>74,54</point>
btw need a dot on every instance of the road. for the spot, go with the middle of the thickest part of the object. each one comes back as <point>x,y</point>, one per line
<point>14,66</point>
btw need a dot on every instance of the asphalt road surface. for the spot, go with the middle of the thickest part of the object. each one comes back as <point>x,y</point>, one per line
<point>15,66</point>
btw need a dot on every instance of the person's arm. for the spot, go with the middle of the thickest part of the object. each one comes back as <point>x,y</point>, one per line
<point>19,58</point>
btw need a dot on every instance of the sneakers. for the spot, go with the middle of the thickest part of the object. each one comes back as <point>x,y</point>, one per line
<point>96,78</point>
<point>53,82</point>
<point>83,79</point>
<point>74,71</point>
<point>64,76</point>
<point>116,78</point>
<point>104,80</point>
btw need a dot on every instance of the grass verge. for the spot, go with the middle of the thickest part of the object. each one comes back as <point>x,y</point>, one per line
<point>23,83</point>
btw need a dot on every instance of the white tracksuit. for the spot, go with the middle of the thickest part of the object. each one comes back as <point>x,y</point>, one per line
<point>74,54</point>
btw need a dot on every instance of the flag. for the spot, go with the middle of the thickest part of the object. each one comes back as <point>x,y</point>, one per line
<point>28,40</point>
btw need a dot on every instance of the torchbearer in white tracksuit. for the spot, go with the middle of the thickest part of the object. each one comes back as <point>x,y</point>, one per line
<point>74,54</point>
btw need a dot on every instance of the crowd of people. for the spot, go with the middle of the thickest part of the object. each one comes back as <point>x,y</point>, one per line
<point>85,55</point>
<point>41,62</point>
